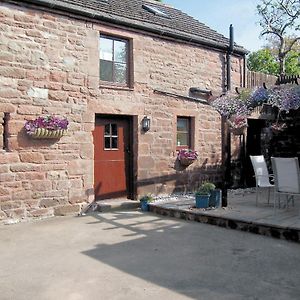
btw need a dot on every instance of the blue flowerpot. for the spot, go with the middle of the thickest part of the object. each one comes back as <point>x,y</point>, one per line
<point>215,198</point>
<point>144,205</point>
<point>202,201</point>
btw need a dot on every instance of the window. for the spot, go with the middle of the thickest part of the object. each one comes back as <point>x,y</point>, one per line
<point>111,136</point>
<point>183,132</point>
<point>4,117</point>
<point>114,60</point>
<point>156,11</point>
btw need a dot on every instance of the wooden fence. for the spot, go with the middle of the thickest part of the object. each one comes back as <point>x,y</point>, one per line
<point>254,79</point>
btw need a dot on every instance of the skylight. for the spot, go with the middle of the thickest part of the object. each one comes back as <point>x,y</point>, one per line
<point>156,11</point>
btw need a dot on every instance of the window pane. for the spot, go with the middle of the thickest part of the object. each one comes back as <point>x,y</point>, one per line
<point>107,142</point>
<point>106,70</point>
<point>107,129</point>
<point>120,52</point>
<point>114,129</point>
<point>120,73</point>
<point>182,139</point>
<point>114,142</point>
<point>182,124</point>
<point>106,49</point>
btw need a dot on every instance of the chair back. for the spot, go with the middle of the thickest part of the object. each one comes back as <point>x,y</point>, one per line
<point>260,170</point>
<point>286,174</point>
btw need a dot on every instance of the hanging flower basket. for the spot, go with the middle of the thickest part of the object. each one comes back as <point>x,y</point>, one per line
<point>186,161</point>
<point>48,127</point>
<point>238,130</point>
<point>187,156</point>
<point>277,128</point>
<point>43,133</point>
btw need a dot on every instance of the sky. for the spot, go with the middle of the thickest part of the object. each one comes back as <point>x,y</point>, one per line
<point>219,14</point>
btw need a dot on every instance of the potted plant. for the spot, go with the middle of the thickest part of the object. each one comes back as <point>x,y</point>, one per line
<point>202,196</point>
<point>215,198</point>
<point>48,127</point>
<point>145,200</point>
<point>187,156</point>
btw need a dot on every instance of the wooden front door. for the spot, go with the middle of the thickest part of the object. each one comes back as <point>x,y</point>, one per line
<point>111,158</point>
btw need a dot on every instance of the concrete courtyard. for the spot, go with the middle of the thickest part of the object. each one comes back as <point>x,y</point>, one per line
<point>134,255</point>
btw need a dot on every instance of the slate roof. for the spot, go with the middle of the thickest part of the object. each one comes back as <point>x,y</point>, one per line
<point>131,13</point>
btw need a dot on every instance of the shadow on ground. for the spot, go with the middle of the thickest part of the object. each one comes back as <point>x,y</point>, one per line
<point>197,262</point>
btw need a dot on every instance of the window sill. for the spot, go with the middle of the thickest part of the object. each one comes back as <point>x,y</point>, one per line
<point>115,87</point>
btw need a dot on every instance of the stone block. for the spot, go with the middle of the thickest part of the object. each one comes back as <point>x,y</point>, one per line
<point>58,76</point>
<point>9,93</point>
<point>11,72</point>
<point>29,110</point>
<point>58,95</point>
<point>3,191</point>
<point>41,212</point>
<point>41,185</point>
<point>31,157</point>
<point>67,210</point>
<point>24,167</point>
<point>21,195</point>
<point>36,92</point>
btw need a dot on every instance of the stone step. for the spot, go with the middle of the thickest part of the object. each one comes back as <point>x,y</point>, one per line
<point>112,205</point>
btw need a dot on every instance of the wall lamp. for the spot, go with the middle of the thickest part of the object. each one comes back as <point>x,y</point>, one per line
<point>146,123</point>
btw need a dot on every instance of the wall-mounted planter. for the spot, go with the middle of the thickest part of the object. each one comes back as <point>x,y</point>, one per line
<point>43,133</point>
<point>186,161</point>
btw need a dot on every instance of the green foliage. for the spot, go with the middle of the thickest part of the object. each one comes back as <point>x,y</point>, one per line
<point>206,188</point>
<point>147,198</point>
<point>278,19</point>
<point>265,60</point>
<point>293,63</point>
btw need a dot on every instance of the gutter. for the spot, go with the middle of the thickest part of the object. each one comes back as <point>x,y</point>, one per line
<point>118,20</point>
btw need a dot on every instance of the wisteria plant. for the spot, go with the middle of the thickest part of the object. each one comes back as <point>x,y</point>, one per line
<point>51,123</point>
<point>237,108</point>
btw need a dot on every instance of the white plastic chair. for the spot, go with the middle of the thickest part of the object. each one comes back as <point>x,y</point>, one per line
<point>262,176</point>
<point>286,178</point>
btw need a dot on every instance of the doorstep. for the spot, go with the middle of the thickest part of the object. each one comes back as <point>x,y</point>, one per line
<point>112,205</point>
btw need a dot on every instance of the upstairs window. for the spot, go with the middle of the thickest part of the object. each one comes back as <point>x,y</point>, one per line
<point>114,60</point>
<point>183,132</point>
<point>156,11</point>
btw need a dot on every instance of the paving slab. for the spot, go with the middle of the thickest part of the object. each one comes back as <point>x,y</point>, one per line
<point>241,213</point>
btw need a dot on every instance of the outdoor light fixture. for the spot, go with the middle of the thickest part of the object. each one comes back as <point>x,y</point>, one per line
<point>146,123</point>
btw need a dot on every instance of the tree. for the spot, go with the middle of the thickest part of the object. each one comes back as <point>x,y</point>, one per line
<point>278,18</point>
<point>266,61</point>
<point>263,61</point>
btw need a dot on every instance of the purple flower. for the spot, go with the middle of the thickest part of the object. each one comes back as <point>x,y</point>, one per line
<point>187,154</point>
<point>47,122</point>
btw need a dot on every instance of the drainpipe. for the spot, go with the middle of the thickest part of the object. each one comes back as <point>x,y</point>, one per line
<point>226,132</point>
<point>229,53</point>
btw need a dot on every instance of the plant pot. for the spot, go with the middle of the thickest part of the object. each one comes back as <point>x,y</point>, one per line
<point>186,161</point>
<point>215,198</point>
<point>43,133</point>
<point>202,201</point>
<point>144,205</point>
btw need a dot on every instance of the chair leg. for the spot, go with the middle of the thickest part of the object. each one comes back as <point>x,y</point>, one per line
<point>274,203</point>
<point>256,195</point>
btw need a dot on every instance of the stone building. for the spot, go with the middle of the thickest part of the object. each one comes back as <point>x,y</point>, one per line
<point>106,66</point>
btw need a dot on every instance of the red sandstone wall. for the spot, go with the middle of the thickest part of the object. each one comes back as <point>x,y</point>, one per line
<point>49,65</point>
